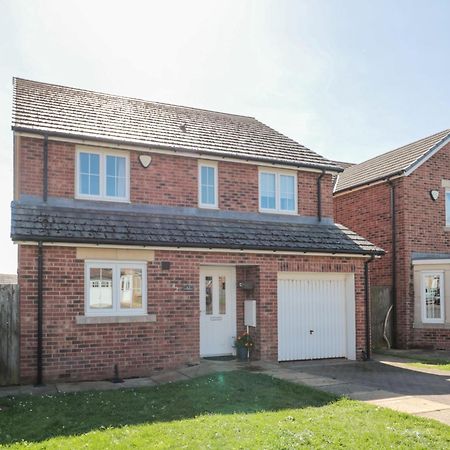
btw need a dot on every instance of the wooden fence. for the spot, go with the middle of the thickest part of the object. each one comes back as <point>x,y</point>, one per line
<point>9,334</point>
<point>380,302</point>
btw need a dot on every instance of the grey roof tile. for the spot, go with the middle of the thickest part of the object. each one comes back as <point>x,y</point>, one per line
<point>393,162</point>
<point>34,222</point>
<point>48,108</point>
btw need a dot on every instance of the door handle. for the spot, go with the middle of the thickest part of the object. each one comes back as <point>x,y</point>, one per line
<point>311,331</point>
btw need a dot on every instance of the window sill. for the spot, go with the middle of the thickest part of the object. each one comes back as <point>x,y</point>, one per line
<point>208,207</point>
<point>438,325</point>
<point>284,213</point>
<point>92,320</point>
<point>102,199</point>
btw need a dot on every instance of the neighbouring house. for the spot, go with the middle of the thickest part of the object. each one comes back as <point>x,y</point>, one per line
<point>401,201</point>
<point>146,230</point>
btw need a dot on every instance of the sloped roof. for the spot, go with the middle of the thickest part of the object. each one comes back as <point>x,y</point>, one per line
<point>394,162</point>
<point>50,223</point>
<point>59,110</point>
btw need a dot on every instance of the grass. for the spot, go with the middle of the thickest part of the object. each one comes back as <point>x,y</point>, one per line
<point>424,362</point>
<point>229,410</point>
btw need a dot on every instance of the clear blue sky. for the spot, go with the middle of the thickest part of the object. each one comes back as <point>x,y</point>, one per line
<point>350,79</point>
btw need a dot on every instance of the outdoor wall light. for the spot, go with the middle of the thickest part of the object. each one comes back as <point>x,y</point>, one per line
<point>434,194</point>
<point>145,160</point>
<point>246,285</point>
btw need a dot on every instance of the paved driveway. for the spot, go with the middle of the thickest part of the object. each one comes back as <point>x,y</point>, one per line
<point>384,382</point>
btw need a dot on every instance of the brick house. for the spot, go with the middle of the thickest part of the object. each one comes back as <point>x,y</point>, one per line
<point>401,201</point>
<point>145,230</point>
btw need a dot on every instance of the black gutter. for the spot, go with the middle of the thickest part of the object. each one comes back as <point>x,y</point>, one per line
<point>40,304</point>
<point>181,149</point>
<point>45,170</point>
<point>368,352</point>
<point>394,261</point>
<point>319,196</point>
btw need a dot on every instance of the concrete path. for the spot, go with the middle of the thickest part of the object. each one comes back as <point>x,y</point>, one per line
<point>185,373</point>
<point>381,382</point>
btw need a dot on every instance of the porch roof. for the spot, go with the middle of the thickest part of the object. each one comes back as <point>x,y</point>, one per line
<point>57,223</point>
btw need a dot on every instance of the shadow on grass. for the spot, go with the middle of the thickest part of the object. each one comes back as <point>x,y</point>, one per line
<point>39,418</point>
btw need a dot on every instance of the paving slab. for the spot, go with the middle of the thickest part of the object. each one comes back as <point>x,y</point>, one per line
<point>442,415</point>
<point>347,389</point>
<point>87,386</point>
<point>168,377</point>
<point>265,365</point>
<point>137,383</point>
<point>320,381</point>
<point>368,395</point>
<point>13,391</point>
<point>411,405</point>
<point>197,371</point>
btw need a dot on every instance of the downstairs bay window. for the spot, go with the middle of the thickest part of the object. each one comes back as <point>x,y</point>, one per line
<point>115,288</point>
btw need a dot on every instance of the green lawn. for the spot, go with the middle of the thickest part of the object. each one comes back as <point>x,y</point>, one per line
<point>229,410</point>
<point>422,362</point>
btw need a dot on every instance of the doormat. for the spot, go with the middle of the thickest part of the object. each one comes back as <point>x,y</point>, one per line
<point>220,358</point>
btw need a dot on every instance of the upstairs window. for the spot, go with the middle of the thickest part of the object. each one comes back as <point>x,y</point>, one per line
<point>102,175</point>
<point>433,297</point>
<point>207,185</point>
<point>278,191</point>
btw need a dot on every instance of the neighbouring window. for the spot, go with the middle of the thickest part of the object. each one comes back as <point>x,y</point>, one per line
<point>447,207</point>
<point>102,175</point>
<point>277,191</point>
<point>433,297</point>
<point>208,192</point>
<point>115,288</point>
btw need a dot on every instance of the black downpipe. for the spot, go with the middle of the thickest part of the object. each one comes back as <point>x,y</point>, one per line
<point>319,196</point>
<point>40,304</point>
<point>45,170</point>
<point>368,352</point>
<point>394,263</point>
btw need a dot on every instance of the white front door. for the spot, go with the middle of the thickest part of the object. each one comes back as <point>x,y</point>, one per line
<point>217,310</point>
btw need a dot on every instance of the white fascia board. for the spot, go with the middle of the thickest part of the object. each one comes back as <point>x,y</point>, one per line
<point>427,155</point>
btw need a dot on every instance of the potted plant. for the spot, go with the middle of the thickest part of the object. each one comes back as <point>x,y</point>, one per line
<point>244,345</point>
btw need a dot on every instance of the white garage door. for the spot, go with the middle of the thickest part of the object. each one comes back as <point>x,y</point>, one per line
<point>316,316</point>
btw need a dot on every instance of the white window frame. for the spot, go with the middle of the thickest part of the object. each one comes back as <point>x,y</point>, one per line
<point>102,155</point>
<point>447,207</point>
<point>423,274</point>
<point>277,173</point>
<point>213,165</point>
<point>115,266</point>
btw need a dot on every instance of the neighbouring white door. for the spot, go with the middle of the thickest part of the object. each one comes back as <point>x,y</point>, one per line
<point>217,310</point>
<point>316,316</point>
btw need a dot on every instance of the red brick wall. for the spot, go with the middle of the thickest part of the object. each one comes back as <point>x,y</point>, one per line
<point>74,351</point>
<point>30,166</point>
<point>367,212</point>
<point>425,228</point>
<point>420,228</point>
<point>170,180</point>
